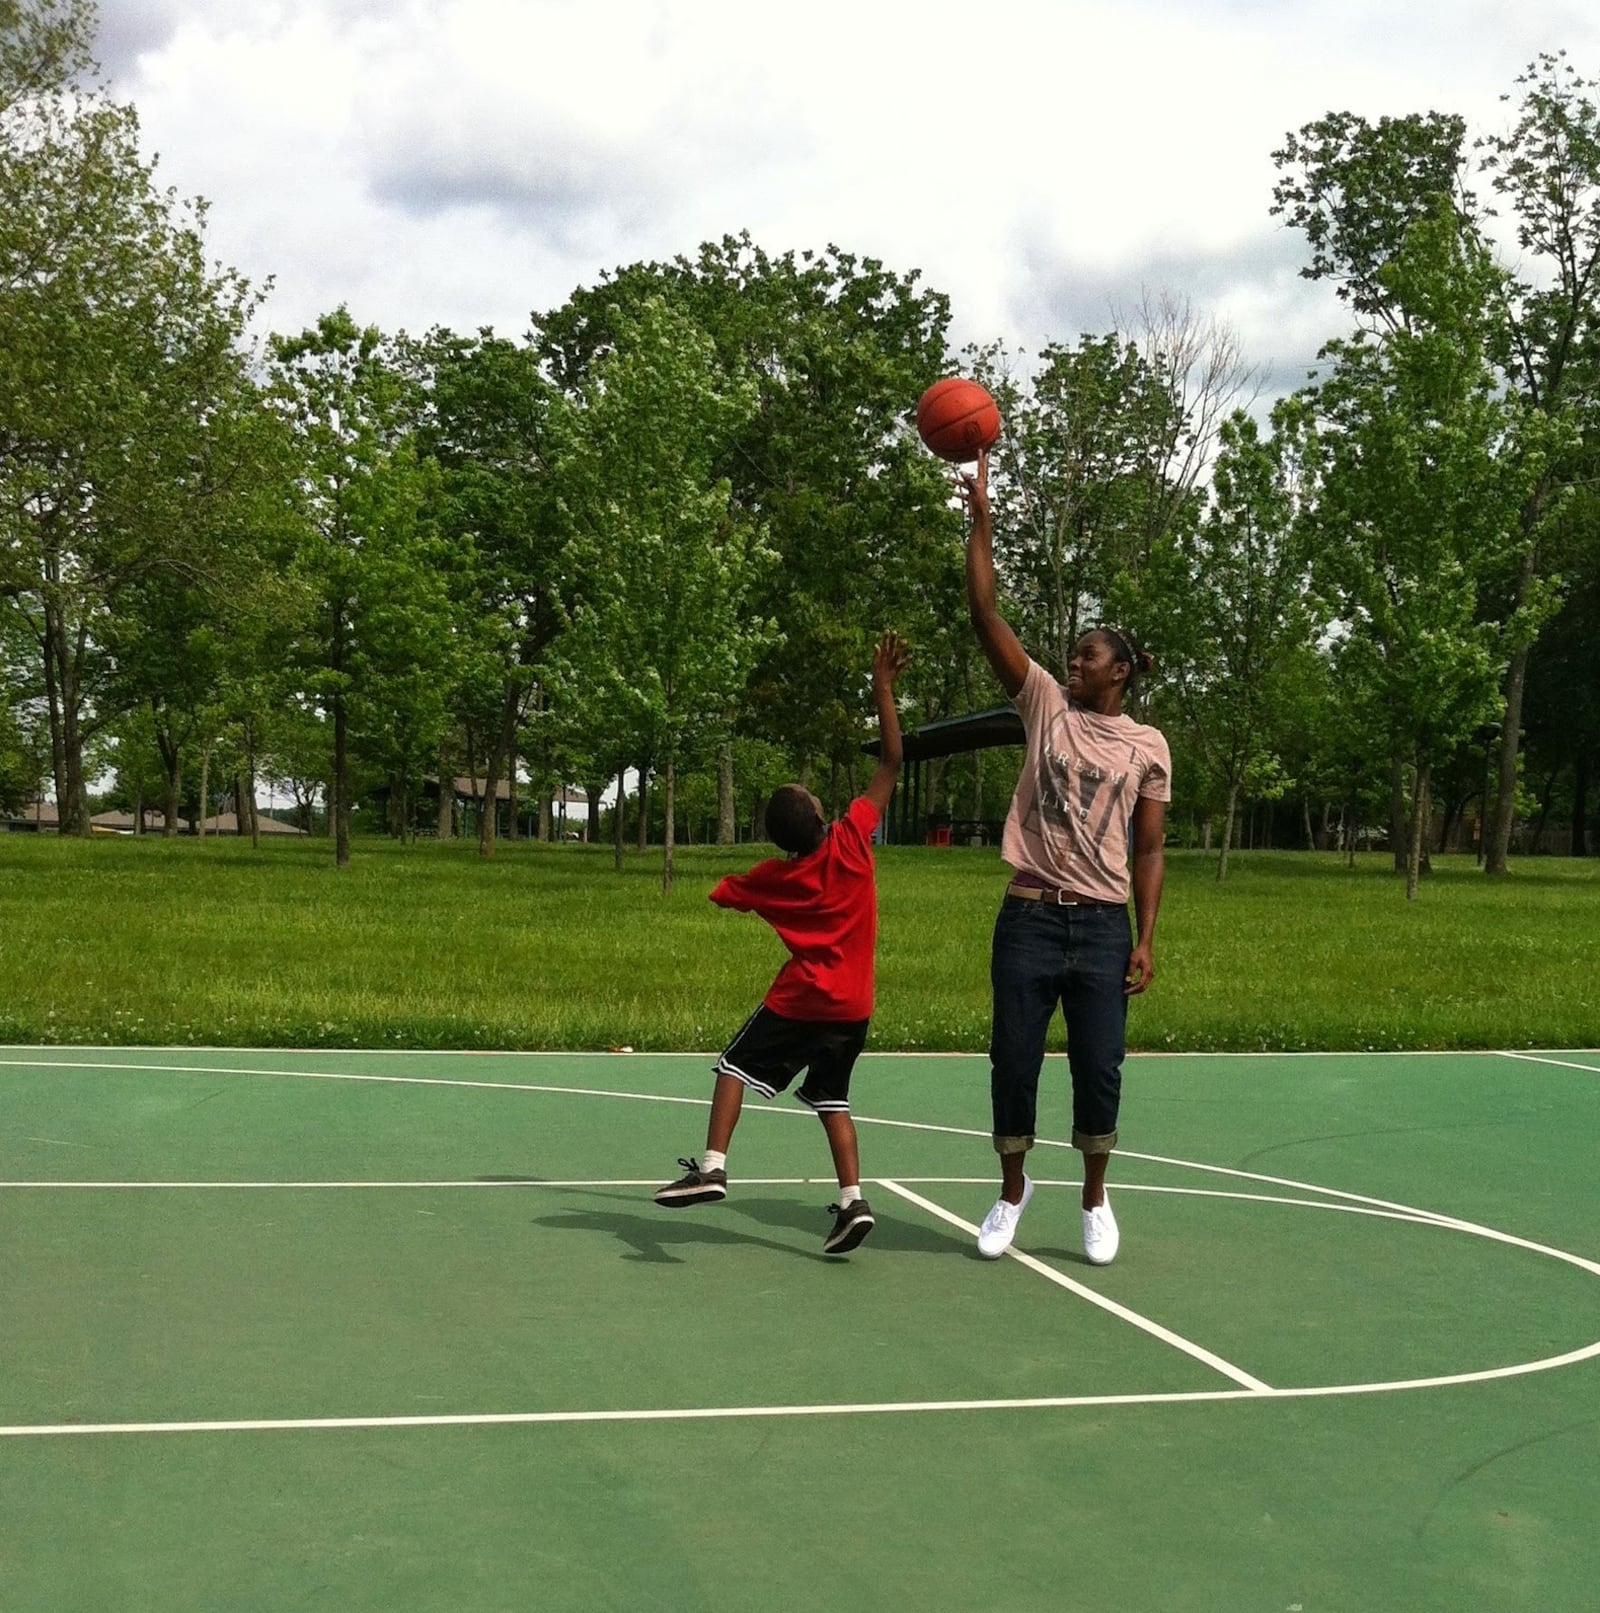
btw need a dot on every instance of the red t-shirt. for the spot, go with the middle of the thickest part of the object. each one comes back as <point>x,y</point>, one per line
<point>825,909</point>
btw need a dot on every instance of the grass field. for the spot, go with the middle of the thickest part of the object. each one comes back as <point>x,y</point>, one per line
<point>151,941</point>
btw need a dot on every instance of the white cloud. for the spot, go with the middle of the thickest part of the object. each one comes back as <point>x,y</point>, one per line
<point>467,161</point>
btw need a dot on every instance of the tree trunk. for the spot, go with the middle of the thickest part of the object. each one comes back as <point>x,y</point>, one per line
<point>644,805</point>
<point>546,820</point>
<point>616,820</point>
<point>1205,835</point>
<point>1311,834</point>
<point>61,676</point>
<point>1397,812</point>
<point>205,785</point>
<point>1495,860</point>
<point>58,759</point>
<point>513,798</point>
<point>1414,841</point>
<point>74,806</point>
<point>341,784</point>
<point>394,824</point>
<point>669,838</point>
<point>1505,799</point>
<point>446,824</point>
<point>1227,830</point>
<point>250,785</point>
<point>504,745</point>
<point>725,799</point>
<point>1580,805</point>
<point>172,769</point>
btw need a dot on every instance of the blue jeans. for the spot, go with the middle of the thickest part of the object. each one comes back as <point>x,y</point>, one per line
<point>1077,957</point>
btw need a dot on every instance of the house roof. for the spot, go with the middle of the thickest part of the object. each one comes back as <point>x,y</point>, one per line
<point>227,823</point>
<point>124,820</point>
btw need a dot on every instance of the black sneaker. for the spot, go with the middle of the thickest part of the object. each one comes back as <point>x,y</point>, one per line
<point>695,1186</point>
<point>851,1224</point>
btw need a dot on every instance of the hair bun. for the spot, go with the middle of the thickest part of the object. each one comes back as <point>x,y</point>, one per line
<point>1146,660</point>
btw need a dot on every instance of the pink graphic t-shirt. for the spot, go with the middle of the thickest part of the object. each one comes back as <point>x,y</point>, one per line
<point>1069,819</point>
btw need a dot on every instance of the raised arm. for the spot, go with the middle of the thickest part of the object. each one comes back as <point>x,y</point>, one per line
<point>1000,645</point>
<point>889,660</point>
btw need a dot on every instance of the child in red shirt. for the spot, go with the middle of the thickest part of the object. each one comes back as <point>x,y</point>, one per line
<point>823,903</point>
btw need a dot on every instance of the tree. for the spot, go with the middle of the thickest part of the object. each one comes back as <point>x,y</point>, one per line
<point>1356,188</point>
<point>1238,620</point>
<point>1426,469</point>
<point>379,616</point>
<point>44,46</point>
<point>1547,168</point>
<point>662,632</point>
<point>1100,468</point>
<point>487,425</point>
<point>838,348</point>
<point>124,398</point>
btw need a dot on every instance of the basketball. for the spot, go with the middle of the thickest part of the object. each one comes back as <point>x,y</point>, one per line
<point>957,419</point>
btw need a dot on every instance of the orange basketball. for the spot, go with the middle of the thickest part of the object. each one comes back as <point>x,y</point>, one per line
<point>957,419</point>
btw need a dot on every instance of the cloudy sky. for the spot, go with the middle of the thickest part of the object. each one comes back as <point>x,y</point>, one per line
<point>463,162</point>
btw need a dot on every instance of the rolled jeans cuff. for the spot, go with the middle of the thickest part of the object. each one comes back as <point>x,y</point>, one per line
<point>1087,1144</point>
<point>1012,1145</point>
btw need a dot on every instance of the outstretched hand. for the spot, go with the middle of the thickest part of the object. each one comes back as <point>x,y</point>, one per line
<point>975,489</point>
<point>890,657</point>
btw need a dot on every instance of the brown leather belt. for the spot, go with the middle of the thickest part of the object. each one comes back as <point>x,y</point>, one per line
<point>1056,898</point>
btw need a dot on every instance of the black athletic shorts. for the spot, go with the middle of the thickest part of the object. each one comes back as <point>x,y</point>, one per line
<point>770,1051</point>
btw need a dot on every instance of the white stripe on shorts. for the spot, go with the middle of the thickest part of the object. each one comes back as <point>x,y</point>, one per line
<point>723,1067</point>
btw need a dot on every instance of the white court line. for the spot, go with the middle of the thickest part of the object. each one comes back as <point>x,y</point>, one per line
<point>446,1183</point>
<point>348,1075</point>
<point>1544,1058</point>
<point>653,1181</point>
<point>1061,1280</point>
<point>711,1053</point>
<point>652,1414</point>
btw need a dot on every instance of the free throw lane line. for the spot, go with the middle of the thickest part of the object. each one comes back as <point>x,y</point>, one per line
<point>1544,1058</point>
<point>1144,1323</point>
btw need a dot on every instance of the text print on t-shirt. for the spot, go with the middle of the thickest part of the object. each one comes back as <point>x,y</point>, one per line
<point>1063,775</point>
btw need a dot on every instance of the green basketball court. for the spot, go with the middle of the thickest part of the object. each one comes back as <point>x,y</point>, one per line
<point>404,1331</point>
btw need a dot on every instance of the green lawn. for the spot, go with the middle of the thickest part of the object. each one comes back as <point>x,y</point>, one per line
<point>151,941</point>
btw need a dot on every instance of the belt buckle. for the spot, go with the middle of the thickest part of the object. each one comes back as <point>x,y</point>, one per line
<point>1064,898</point>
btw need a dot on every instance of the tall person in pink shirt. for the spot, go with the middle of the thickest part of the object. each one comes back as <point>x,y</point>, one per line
<point>1092,792</point>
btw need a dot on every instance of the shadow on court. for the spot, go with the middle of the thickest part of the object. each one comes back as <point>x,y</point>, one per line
<point>1061,1257</point>
<point>651,1234</point>
<point>905,1237</point>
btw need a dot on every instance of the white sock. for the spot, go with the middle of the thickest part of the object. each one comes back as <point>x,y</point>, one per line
<point>713,1161</point>
<point>848,1196</point>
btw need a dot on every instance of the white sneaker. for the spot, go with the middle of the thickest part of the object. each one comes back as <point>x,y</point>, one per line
<point>1000,1224</point>
<point>1100,1237</point>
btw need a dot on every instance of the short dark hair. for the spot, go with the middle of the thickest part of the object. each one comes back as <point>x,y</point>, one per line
<point>1125,648</point>
<point>792,820</point>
